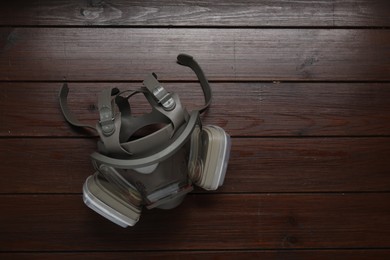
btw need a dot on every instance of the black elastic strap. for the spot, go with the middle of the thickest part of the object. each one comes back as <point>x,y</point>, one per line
<point>187,60</point>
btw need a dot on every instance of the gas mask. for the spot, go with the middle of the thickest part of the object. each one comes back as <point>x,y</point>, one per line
<point>156,168</point>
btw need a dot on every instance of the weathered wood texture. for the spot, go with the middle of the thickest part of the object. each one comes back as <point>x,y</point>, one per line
<point>204,221</point>
<point>301,86</point>
<point>256,165</point>
<point>243,109</point>
<point>308,13</point>
<point>366,254</point>
<point>225,54</point>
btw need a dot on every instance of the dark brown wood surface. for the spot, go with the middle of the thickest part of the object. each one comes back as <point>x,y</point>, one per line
<point>323,254</point>
<point>256,165</point>
<point>243,109</point>
<point>203,222</point>
<point>301,86</point>
<point>226,54</point>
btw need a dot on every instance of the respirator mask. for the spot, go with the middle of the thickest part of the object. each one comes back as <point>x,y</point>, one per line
<point>156,169</point>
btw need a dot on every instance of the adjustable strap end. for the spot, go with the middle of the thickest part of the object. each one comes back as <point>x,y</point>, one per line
<point>63,91</point>
<point>68,115</point>
<point>189,61</point>
<point>184,59</point>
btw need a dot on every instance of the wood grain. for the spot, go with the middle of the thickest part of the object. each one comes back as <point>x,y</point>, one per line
<point>98,54</point>
<point>264,109</point>
<point>263,13</point>
<point>202,222</point>
<point>341,254</point>
<point>302,87</point>
<point>256,165</point>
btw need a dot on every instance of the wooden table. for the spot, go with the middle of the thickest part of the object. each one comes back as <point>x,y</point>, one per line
<point>303,88</point>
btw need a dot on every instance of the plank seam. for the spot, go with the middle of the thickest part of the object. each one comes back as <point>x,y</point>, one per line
<point>201,193</point>
<point>194,26</point>
<point>203,250</point>
<point>275,81</point>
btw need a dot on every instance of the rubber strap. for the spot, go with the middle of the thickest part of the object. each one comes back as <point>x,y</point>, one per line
<point>177,115</point>
<point>123,105</point>
<point>63,98</point>
<point>110,123</point>
<point>189,61</point>
<point>106,112</point>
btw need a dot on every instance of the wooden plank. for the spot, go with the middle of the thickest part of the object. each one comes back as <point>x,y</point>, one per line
<point>256,165</point>
<point>253,254</point>
<point>225,54</point>
<point>203,222</point>
<point>196,13</point>
<point>265,109</point>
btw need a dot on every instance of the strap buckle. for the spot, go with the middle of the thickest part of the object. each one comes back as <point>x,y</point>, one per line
<point>107,121</point>
<point>164,98</point>
<point>160,94</point>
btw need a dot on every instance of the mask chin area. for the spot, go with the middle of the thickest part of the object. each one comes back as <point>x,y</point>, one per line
<point>210,155</point>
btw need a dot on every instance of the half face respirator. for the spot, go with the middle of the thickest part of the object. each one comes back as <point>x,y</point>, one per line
<point>157,169</point>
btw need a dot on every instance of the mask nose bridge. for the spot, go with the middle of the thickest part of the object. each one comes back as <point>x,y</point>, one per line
<point>157,156</point>
<point>131,124</point>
